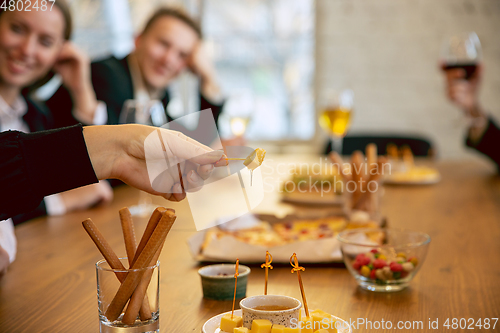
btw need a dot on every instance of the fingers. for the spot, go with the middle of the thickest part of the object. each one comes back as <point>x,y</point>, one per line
<point>222,162</point>
<point>204,171</point>
<point>455,74</point>
<point>177,195</point>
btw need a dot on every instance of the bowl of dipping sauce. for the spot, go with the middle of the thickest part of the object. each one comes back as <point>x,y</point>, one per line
<point>278,309</point>
<point>218,281</point>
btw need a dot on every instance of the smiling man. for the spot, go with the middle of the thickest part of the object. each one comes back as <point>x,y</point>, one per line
<point>170,43</point>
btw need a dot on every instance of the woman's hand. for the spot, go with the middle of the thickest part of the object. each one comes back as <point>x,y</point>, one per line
<point>87,196</point>
<point>74,68</point>
<point>136,155</point>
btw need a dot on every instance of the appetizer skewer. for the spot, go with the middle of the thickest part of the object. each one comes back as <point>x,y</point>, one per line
<point>296,268</point>
<point>267,265</point>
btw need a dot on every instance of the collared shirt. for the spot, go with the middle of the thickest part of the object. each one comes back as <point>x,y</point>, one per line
<point>11,116</point>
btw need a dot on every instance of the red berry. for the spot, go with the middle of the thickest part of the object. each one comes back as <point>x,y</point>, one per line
<point>372,275</point>
<point>374,251</point>
<point>379,263</point>
<point>364,261</point>
<point>360,256</point>
<point>356,265</point>
<point>395,267</point>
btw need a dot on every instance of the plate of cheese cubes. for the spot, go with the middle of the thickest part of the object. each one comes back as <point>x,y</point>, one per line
<point>320,322</point>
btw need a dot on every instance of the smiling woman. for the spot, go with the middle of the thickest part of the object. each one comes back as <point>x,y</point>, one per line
<point>30,42</point>
<point>32,45</point>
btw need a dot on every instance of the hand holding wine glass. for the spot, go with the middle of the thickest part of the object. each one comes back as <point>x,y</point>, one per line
<point>461,61</point>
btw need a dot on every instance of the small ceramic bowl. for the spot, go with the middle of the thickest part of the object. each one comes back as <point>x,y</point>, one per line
<point>218,281</point>
<point>280,310</point>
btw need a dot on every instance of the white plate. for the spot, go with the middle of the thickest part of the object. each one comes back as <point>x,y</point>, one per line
<point>212,325</point>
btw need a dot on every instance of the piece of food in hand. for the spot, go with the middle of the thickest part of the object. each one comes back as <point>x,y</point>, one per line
<point>261,326</point>
<point>278,329</point>
<point>228,324</point>
<point>241,330</point>
<point>255,159</point>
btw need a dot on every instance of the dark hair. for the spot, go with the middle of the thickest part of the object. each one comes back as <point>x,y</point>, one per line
<point>176,13</point>
<point>68,21</point>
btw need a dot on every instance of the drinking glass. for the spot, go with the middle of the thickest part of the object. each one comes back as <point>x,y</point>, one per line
<point>151,113</point>
<point>108,284</point>
<point>336,114</point>
<point>237,113</point>
<point>461,51</point>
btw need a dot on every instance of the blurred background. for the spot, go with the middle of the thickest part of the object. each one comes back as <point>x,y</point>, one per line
<point>274,58</point>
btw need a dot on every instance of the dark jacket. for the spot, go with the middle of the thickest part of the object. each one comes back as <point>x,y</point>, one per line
<point>112,82</point>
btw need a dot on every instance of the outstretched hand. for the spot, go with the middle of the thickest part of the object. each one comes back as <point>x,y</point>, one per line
<point>134,154</point>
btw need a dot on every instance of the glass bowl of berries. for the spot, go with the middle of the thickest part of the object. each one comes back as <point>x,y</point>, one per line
<point>383,259</point>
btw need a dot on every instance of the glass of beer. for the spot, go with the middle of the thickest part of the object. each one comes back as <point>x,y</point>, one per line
<point>335,115</point>
<point>461,51</point>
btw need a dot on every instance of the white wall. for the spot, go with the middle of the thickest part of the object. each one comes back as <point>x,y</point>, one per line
<point>387,51</point>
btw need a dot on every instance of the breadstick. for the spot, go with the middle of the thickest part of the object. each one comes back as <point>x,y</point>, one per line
<point>139,296</point>
<point>357,165</point>
<point>105,249</point>
<point>364,198</point>
<point>392,151</point>
<point>130,247</point>
<point>134,277</point>
<point>153,221</point>
<point>371,157</point>
<point>408,157</point>
<point>145,311</point>
<point>128,233</point>
<point>337,159</point>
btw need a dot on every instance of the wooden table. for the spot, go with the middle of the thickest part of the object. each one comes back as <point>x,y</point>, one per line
<point>51,287</point>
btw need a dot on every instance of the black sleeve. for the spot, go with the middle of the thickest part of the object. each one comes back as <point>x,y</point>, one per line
<point>39,164</point>
<point>489,144</point>
<point>41,210</point>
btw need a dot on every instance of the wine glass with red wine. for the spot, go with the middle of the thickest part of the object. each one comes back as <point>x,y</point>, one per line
<point>462,51</point>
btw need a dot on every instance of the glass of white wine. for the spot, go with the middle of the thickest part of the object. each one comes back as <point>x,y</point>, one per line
<point>335,115</point>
